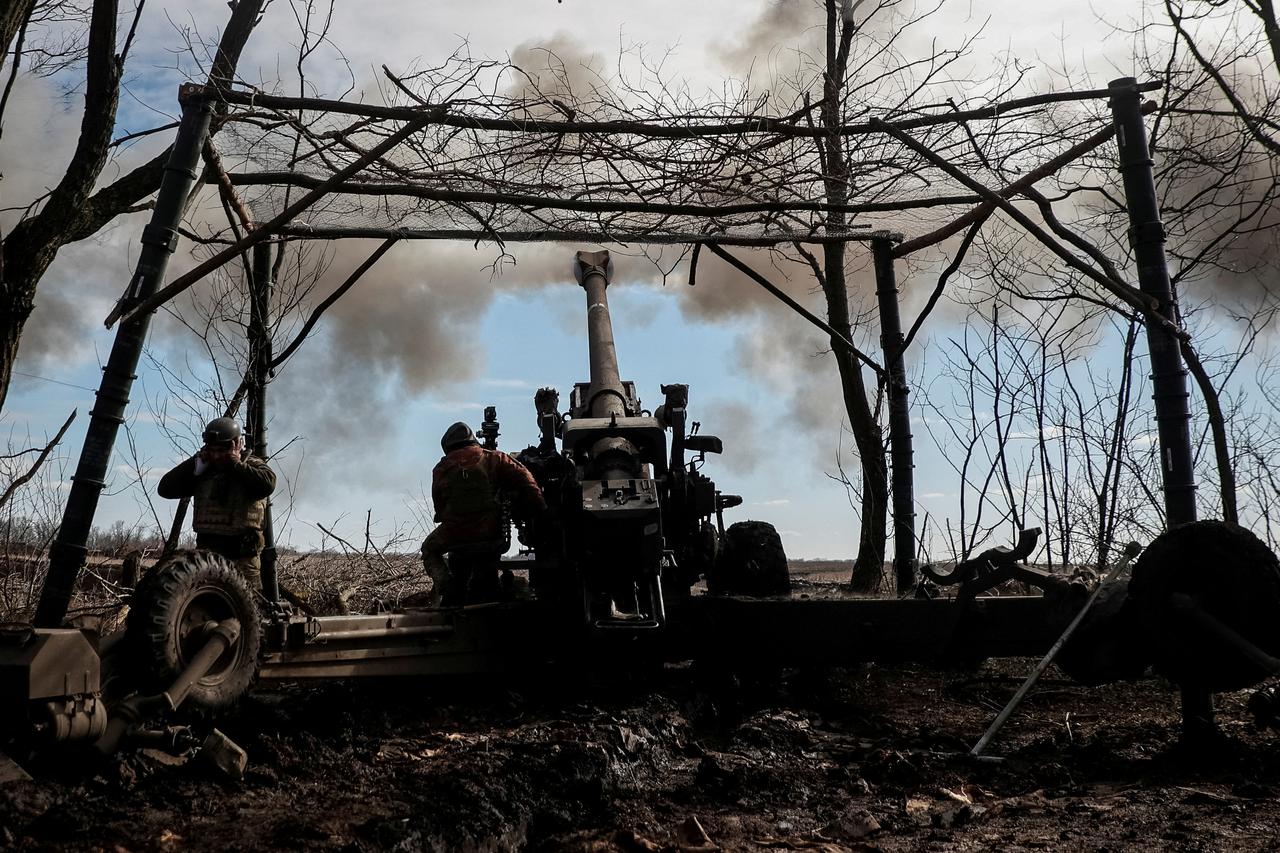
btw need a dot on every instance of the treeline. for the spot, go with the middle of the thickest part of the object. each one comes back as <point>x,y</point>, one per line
<point>23,534</point>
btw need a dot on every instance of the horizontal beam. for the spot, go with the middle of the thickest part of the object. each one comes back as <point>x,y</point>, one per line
<point>440,114</point>
<point>383,189</point>
<point>297,231</point>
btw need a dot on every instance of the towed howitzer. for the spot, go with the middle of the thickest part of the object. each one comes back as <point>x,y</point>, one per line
<point>631,523</point>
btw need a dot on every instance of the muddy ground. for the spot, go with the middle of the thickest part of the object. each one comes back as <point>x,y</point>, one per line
<point>856,759</point>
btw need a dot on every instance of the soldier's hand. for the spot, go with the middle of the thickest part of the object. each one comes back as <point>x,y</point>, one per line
<point>216,456</point>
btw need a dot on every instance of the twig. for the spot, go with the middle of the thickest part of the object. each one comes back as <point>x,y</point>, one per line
<point>214,161</point>
<point>35,466</point>
<point>980,213</point>
<point>337,294</point>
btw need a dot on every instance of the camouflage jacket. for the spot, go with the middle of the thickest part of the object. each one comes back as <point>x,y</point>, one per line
<point>463,488</point>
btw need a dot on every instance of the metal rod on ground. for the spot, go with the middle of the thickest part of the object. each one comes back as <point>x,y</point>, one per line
<point>1130,552</point>
<point>900,449</point>
<point>1168,375</point>
<point>159,239</point>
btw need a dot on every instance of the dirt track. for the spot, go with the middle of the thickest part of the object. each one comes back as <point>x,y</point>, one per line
<point>833,761</point>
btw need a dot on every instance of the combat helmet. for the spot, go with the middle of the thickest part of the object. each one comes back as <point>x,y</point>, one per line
<point>222,431</point>
<point>458,435</point>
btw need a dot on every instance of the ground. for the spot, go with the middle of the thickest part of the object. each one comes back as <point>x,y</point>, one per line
<point>866,758</point>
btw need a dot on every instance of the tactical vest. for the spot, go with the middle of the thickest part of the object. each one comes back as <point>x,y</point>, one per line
<point>470,492</point>
<point>221,506</point>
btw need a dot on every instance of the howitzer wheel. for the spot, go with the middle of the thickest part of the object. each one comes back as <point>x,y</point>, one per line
<point>1231,575</point>
<point>751,562</point>
<point>165,628</point>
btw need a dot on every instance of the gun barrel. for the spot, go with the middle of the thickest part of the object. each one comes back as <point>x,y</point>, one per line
<point>605,396</point>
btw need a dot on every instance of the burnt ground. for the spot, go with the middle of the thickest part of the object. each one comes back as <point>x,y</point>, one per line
<point>834,760</point>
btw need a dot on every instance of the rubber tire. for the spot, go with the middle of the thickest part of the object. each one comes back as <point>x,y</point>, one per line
<point>751,562</point>
<point>1233,576</point>
<point>161,602</point>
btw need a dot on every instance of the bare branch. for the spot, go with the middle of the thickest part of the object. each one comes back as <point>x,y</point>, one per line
<point>35,466</point>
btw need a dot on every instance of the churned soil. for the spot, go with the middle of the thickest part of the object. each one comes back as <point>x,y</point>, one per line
<point>681,758</point>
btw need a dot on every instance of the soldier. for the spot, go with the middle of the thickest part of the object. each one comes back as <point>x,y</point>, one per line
<point>230,487</point>
<point>464,488</point>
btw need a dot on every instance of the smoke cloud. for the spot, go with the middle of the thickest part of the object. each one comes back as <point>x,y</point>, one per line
<point>560,67</point>
<point>408,327</point>
<point>783,25</point>
<point>1226,187</point>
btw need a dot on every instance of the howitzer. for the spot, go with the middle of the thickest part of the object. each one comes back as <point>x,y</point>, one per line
<point>631,521</point>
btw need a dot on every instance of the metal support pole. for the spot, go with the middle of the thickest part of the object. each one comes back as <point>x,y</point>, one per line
<point>159,239</point>
<point>1146,235</point>
<point>260,353</point>
<point>900,448</point>
<point>1168,376</point>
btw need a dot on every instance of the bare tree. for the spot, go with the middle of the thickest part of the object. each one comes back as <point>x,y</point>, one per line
<point>73,210</point>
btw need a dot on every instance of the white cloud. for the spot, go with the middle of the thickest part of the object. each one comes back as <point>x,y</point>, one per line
<point>508,383</point>
<point>455,406</point>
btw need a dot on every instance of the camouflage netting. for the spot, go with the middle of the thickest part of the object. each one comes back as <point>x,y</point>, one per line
<point>661,173</point>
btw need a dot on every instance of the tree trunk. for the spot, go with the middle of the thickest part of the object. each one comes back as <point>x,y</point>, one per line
<point>33,243</point>
<point>15,317</point>
<point>868,567</point>
<point>13,14</point>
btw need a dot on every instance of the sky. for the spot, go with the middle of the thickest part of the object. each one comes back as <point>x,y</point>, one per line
<point>431,336</point>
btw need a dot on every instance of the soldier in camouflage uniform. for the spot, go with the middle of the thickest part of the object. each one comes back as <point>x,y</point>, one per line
<point>464,488</point>
<point>230,487</point>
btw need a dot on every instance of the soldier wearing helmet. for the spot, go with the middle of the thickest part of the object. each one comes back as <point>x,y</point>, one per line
<point>230,487</point>
<point>464,489</point>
